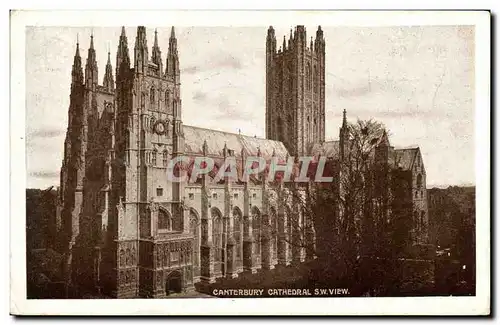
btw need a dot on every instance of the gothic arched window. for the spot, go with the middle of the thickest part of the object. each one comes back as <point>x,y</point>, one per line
<point>217,233</point>
<point>256,230</point>
<point>164,220</point>
<point>152,95</point>
<point>308,128</point>
<point>288,223</point>
<point>238,234</point>
<point>316,80</point>
<point>165,158</point>
<point>308,77</point>
<point>122,257</point>
<point>153,160</point>
<point>419,180</point>
<point>281,80</point>
<point>195,231</point>
<point>128,257</point>
<point>280,129</point>
<point>167,98</point>
<point>422,220</point>
<point>274,233</point>
<point>416,220</point>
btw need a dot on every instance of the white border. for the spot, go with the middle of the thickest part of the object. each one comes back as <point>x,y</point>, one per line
<point>480,304</point>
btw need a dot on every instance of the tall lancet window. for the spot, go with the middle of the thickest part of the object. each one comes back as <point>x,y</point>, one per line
<point>308,77</point>
<point>152,95</point>
<point>164,220</point>
<point>256,220</point>
<point>167,100</point>
<point>316,82</point>
<point>165,158</point>
<point>153,162</point>
<point>280,129</point>
<point>419,181</point>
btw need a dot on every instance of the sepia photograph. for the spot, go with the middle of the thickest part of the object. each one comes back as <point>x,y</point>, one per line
<point>292,155</point>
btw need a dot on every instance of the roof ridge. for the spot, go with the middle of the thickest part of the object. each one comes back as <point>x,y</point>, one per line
<point>202,128</point>
<point>407,148</point>
<point>231,133</point>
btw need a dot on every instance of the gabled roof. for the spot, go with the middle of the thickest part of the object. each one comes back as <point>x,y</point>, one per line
<point>405,158</point>
<point>329,149</point>
<point>195,137</point>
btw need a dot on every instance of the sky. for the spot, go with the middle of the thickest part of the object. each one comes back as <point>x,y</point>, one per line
<point>418,81</point>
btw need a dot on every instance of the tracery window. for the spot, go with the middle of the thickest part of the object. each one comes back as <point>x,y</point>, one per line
<point>316,80</point>
<point>155,153</point>
<point>308,77</point>
<point>165,158</point>
<point>238,234</point>
<point>419,181</point>
<point>152,95</point>
<point>195,231</point>
<point>256,229</point>
<point>167,98</point>
<point>164,220</point>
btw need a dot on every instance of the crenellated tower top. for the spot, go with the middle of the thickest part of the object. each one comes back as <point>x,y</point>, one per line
<point>295,93</point>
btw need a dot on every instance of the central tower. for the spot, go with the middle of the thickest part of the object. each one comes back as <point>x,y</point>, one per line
<point>295,90</point>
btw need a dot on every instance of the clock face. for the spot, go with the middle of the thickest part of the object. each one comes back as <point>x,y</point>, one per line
<point>160,127</point>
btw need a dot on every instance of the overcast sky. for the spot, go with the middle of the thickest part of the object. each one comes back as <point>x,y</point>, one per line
<point>418,81</point>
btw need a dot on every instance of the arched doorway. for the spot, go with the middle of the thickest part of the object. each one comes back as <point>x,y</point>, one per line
<point>194,227</point>
<point>173,283</point>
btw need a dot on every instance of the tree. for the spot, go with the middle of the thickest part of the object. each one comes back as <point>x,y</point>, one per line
<point>332,220</point>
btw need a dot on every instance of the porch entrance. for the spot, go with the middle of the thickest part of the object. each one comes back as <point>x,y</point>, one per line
<point>173,283</point>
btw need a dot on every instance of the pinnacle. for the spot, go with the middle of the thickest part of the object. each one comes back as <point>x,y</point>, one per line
<point>77,52</point>
<point>172,32</point>
<point>156,38</point>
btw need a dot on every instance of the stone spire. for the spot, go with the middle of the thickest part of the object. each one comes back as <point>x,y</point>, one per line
<point>172,57</point>
<point>343,136</point>
<point>271,41</point>
<point>91,75</point>
<point>156,55</point>
<point>122,56</point>
<point>141,51</point>
<point>109,82</point>
<point>319,42</point>
<point>77,71</point>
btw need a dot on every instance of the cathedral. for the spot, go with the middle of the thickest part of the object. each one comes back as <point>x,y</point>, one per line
<point>127,230</point>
